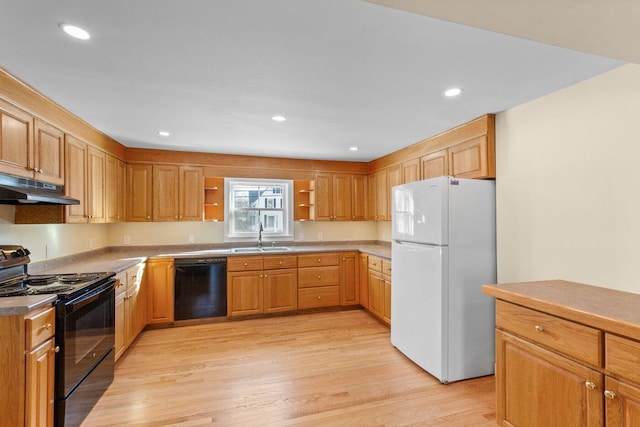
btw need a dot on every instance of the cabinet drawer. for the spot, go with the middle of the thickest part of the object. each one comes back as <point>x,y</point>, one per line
<point>321,296</point>
<point>622,357</point>
<point>386,267</point>
<point>375,263</point>
<point>318,260</point>
<point>318,276</point>
<point>575,340</point>
<point>245,263</point>
<point>274,262</point>
<point>39,327</point>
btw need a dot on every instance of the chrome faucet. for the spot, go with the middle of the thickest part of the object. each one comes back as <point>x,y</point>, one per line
<point>260,229</point>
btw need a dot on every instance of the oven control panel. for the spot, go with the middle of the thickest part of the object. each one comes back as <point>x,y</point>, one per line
<point>13,255</point>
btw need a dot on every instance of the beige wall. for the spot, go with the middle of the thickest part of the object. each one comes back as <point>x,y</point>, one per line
<point>568,184</point>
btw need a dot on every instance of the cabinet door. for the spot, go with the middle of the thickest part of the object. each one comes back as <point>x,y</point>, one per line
<point>349,280</point>
<point>376,285</point>
<point>76,179</point>
<point>359,197</point>
<point>16,141</point>
<point>434,164</point>
<point>139,191</point>
<point>324,197</point>
<point>470,159</point>
<point>165,192</point>
<point>121,186</point>
<point>160,288</point>
<point>137,282</point>
<point>244,293</point>
<point>96,175</point>
<point>411,171</point>
<point>48,153</point>
<point>39,383</point>
<point>372,212</point>
<point>191,193</point>
<point>386,295</point>
<point>539,388</point>
<point>382,195</point>
<point>120,318</point>
<point>342,197</point>
<point>394,178</point>
<point>280,290</point>
<point>622,403</point>
<point>112,188</point>
<point>364,280</point>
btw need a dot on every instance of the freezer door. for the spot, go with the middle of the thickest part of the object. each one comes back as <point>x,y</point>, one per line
<point>419,304</point>
<point>420,211</point>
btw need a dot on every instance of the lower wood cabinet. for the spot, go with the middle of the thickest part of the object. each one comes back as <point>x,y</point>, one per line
<point>363,280</point>
<point>566,355</point>
<point>349,278</point>
<point>318,280</point>
<point>257,285</point>
<point>160,287</point>
<point>131,307</point>
<point>27,357</point>
<point>379,284</point>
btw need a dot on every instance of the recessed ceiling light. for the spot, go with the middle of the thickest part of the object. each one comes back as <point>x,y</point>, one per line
<point>354,148</point>
<point>454,91</point>
<point>278,118</point>
<point>163,133</point>
<point>75,32</point>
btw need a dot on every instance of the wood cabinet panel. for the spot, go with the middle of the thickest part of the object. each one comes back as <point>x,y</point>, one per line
<point>349,278</point>
<point>160,281</point>
<point>139,192</point>
<point>318,276</point>
<point>376,293</point>
<point>275,262</point>
<point>75,179</point>
<point>342,197</point>
<point>320,296</point>
<point>435,164</point>
<point>364,280</point>
<point>471,159</point>
<point>40,385</point>
<point>382,195</point>
<point>324,197</point>
<point>245,263</point>
<point>622,403</point>
<point>115,185</point>
<point>319,259</point>
<point>96,176</point>
<point>16,141</point>
<point>304,200</point>
<point>623,357</point>
<point>245,293</point>
<point>165,192</point>
<point>333,197</point>
<point>280,290</point>
<point>410,171</point>
<point>372,190</point>
<point>550,389</point>
<point>39,327</point>
<point>48,153</point>
<point>213,199</point>
<point>359,198</point>
<point>191,193</point>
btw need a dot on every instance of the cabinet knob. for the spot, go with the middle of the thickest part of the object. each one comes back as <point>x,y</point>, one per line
<point>56,349</point>
<point>245,264</point>
<point>590,385</point>
<point>318,277</point>
<point>280,262</point>
<point>318,296</point>
<point>539,328</point>
<point>47,326</point>
<point>609,394</point>
<point>149,217</point>
<point>318,259</point>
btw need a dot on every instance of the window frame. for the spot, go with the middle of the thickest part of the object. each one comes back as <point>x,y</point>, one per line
<point>230,235</point>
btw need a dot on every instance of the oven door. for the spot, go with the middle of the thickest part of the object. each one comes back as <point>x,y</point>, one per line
<point>85,332</point>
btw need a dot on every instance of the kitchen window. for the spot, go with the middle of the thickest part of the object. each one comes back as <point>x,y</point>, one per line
<point>251,203</point>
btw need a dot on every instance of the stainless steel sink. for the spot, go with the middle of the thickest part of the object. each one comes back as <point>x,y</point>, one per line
<point>260,250</point>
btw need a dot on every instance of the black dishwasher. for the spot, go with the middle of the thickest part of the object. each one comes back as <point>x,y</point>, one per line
<point>200,288</point>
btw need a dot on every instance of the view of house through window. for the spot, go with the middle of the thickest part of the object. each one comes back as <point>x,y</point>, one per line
<point>254,202</point>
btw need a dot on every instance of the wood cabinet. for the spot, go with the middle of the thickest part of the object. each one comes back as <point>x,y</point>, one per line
<point>434,164</point>
<point>28,359</point>
<point>566,360</point>
<point>160,290</point>
<point>177,193</point>
<point>96,176</point>
<point>139,192</point>
<point>379,287</point>
<point>131,308</point>
<point>257,285</point>
<point>213,199</point>
<point>372,200</point>
<point>115,185</point>
<point>75,179</point>
<point>410,171</point>
<point>16,141</point>
<point>333,197</point>
<point>363,281</point>
<point>318,280</point>
<point>304,200</point>
<point>359,198</point>
<point>473,159</point>
<point>382,195</point>
<point>349,278</point>
<point>48,153</point>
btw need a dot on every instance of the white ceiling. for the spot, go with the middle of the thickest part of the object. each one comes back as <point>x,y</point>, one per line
<point>213,72</point>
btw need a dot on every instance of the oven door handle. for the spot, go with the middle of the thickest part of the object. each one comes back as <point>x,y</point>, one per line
<point>88,299</point>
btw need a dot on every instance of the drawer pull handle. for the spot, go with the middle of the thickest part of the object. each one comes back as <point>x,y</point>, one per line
<point>609,394</point>
<point>280,262</point>
<point>539,328</point>
<point>47,326</point>
<point>318,296</point>
<point>245,264</point>
<point>56,349</point>
<point>318,259</point>
<point>318,276</point>
<point>590,385</point>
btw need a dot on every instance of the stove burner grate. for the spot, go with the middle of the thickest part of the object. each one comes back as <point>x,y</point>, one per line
<point>40,281</point>
<point>51,289</point>
<point>75,278</point>
<point>13,292</point>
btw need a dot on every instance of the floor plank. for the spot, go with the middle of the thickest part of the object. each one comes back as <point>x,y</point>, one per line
<point>336,368</point>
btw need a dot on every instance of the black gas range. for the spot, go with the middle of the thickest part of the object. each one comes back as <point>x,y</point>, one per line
<point>85,330</point>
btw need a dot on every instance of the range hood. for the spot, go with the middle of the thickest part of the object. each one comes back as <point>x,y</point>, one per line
<point>17,191</point>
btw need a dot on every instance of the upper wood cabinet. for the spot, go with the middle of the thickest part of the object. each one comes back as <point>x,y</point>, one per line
<point>139,192</point>
<point>177,193</point>
<point>75,179</point>
<point>115,185</point>
<point>372,207</point>
<point>48,153</point>
<point>435,164</point>
<point>333,197</point>
<point>304,200</point>
<point>382,195</point>
<point>411,171</point>
<point>213,198</point>
<point>473,159</point>
<point>96,176</point>
<point>359,197</point>
<point>16,141</point>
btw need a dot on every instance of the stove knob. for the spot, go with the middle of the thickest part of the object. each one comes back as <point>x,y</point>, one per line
<point>18,253</point>
<point>27,251</point>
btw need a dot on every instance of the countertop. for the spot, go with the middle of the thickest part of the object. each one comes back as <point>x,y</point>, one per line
<point>606,309</point>
<point>17,306</point>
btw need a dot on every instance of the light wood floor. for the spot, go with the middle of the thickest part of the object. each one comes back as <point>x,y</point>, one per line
<point>322,369</point>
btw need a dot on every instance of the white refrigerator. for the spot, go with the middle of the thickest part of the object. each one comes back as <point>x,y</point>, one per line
<point>443,251</point>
